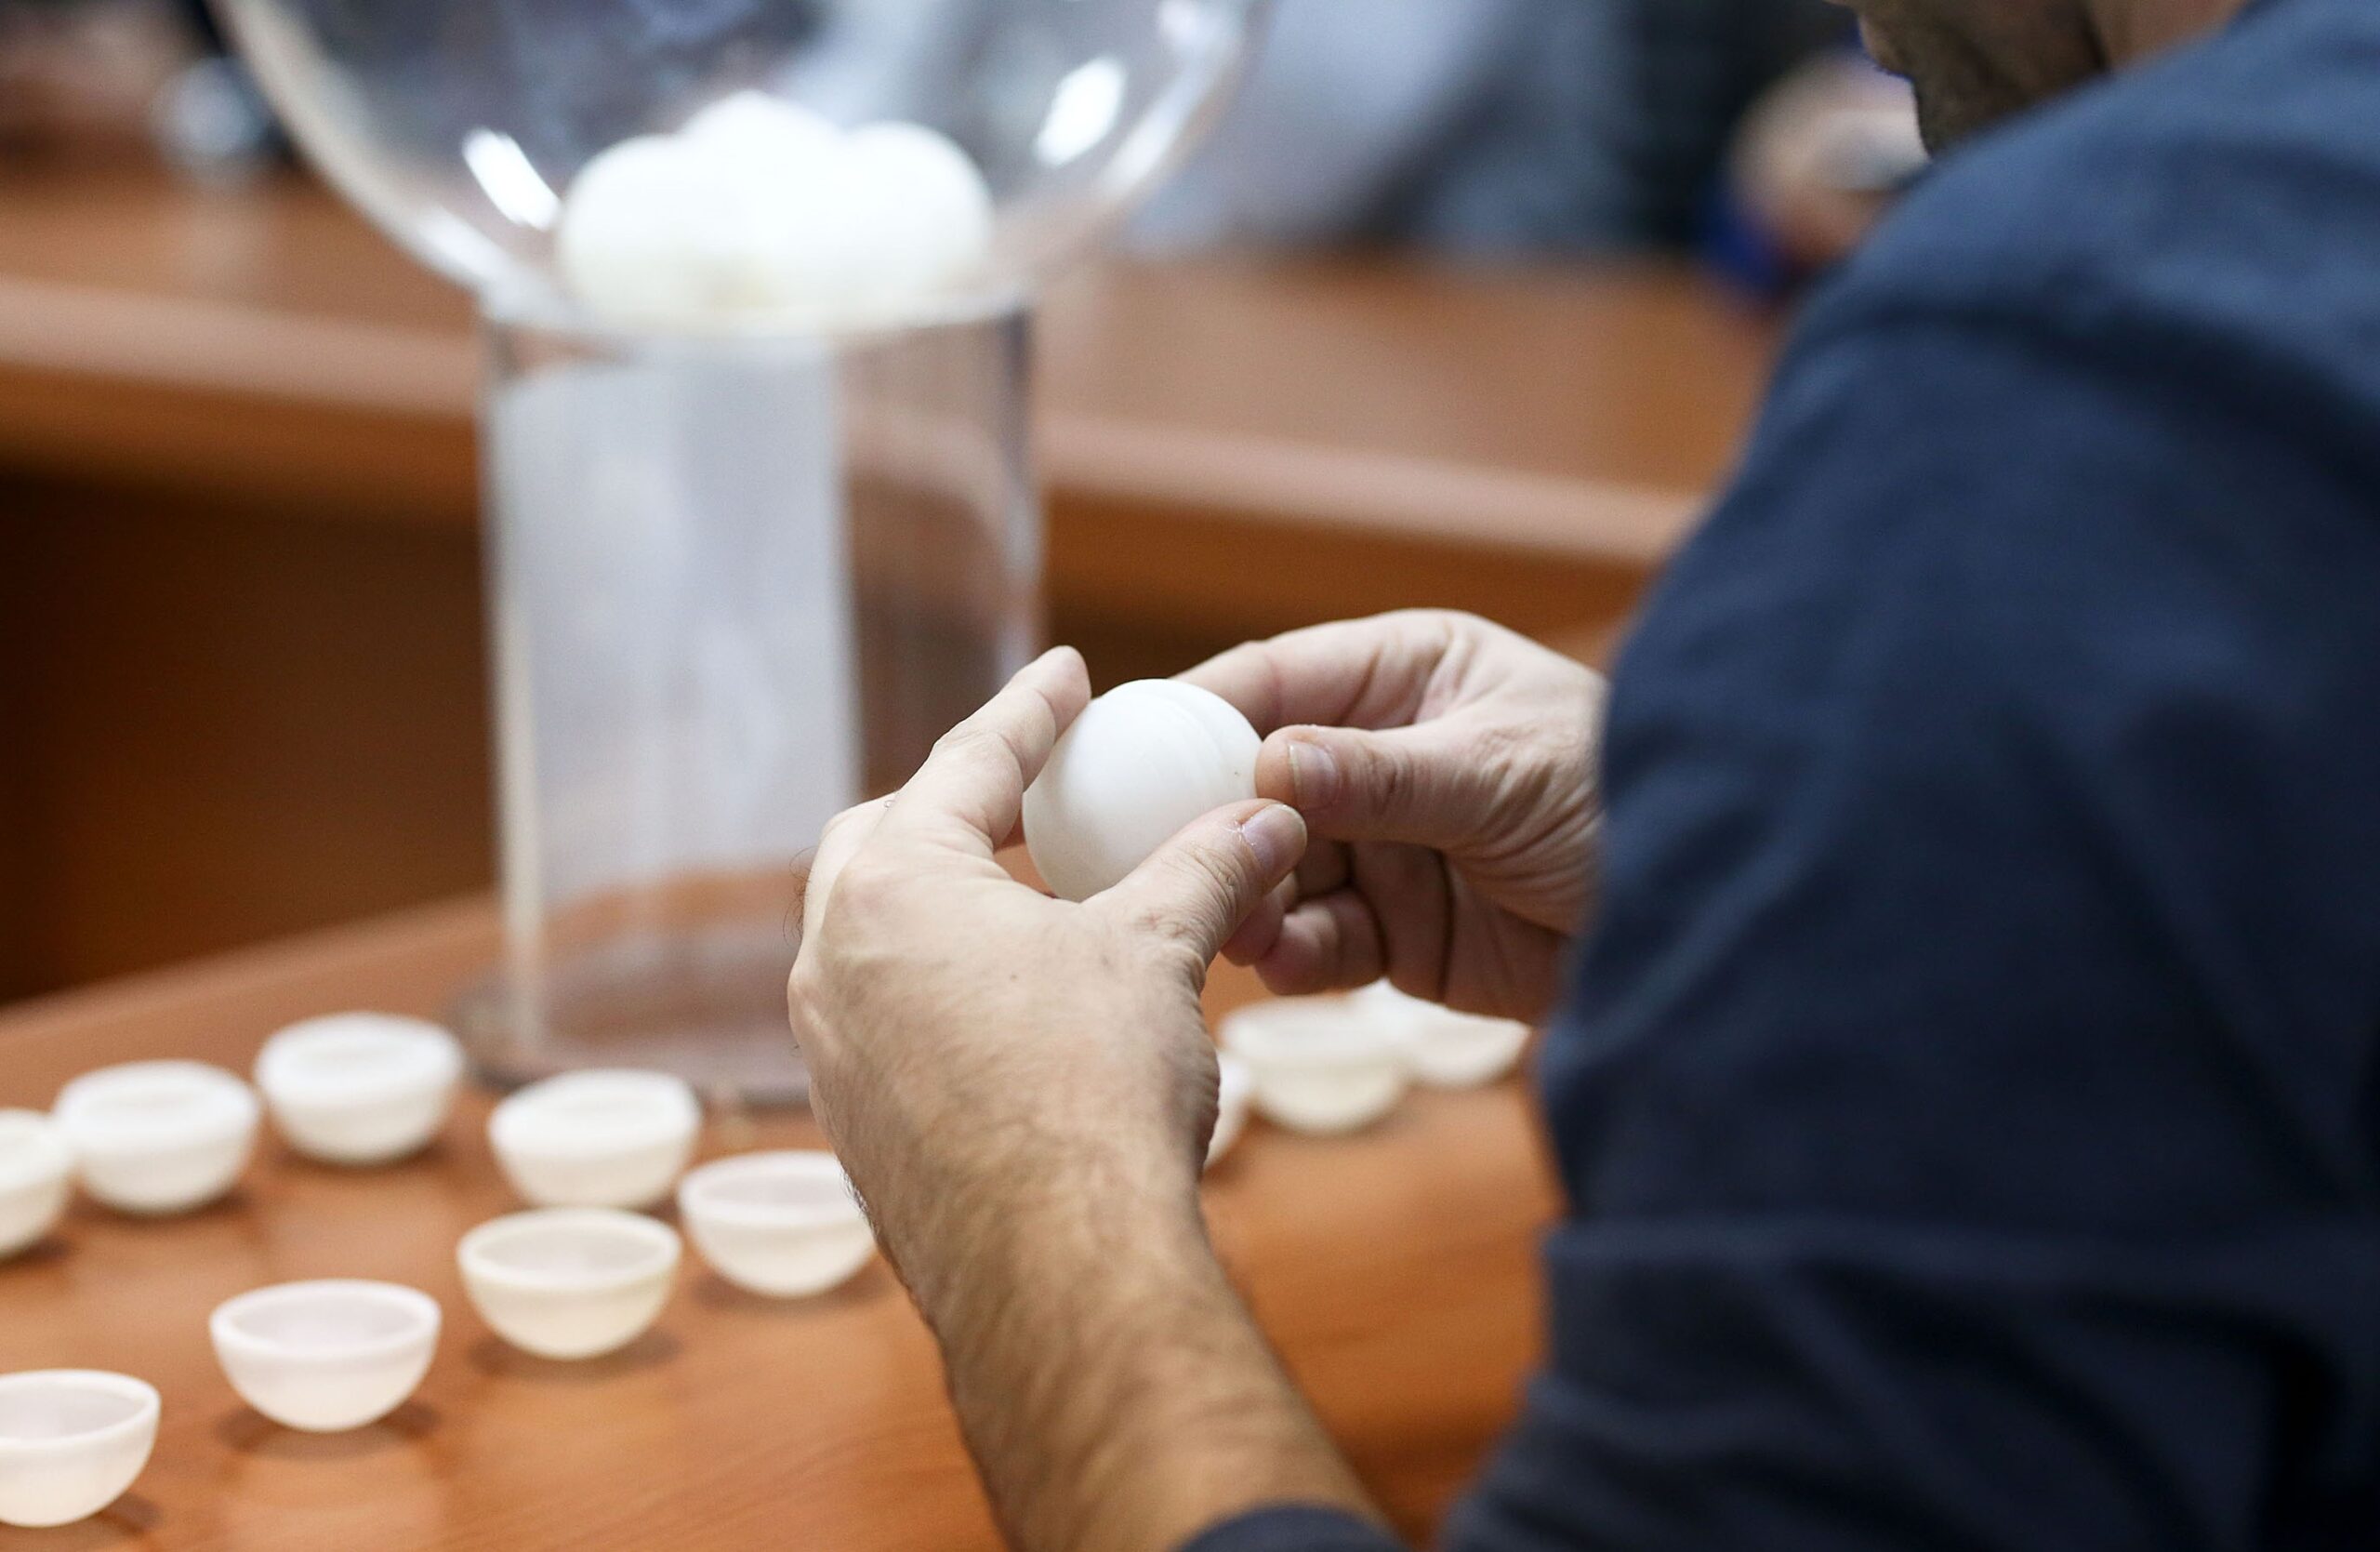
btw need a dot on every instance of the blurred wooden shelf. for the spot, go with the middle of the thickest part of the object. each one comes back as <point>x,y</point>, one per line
<point>1395,1270</point>
<point>241,622</point>
<point>265,343</point>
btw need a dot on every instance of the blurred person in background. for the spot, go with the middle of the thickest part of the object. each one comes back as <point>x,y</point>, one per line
<point>1818,161</point>
<point>1966,1088</point>
<point>105,79</point>
<point>80,74</point>
<point>1503,127</point>
<point>1546,128</point>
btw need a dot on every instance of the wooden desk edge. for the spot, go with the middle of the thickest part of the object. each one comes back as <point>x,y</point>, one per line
<point>235,368</point>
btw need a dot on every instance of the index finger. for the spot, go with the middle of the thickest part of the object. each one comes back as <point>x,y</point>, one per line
<point>1363,673</point>
<point>842,837</point>
<point>971,787</point>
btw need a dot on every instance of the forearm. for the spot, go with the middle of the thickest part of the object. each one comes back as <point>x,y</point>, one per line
<point>1112,1387</point>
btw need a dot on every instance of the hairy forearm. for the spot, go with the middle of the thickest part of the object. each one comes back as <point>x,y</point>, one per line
<point>1111,1387</point>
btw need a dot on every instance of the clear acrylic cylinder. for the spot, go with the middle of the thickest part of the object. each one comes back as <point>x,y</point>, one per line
<point>738,584</point>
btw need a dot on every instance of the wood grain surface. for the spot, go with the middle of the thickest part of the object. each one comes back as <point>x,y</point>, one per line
<point>1394,1269</point>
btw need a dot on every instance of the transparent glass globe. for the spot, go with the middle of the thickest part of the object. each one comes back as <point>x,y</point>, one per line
<point>789,162</point>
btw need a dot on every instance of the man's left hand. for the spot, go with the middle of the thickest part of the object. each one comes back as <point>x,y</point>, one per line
<point>972,1042</point>
<point>1022,1090</point>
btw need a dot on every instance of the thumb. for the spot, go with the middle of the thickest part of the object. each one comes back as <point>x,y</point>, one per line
<point>1410,785</point>
<point>1199,886</point>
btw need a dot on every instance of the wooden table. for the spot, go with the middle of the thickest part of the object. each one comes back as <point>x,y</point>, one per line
<point>1395,1270</point>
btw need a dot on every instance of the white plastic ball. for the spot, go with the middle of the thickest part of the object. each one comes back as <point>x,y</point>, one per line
<point>805,253</point>
<point>928,209</point>
<point>789,170</point>
<point>763,133</point>
<point>1140,763</point>
<point>653,230</point>
<point>759,209</point>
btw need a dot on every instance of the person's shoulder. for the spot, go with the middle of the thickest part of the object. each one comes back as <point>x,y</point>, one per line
<point>2231,188</point>
<point>2127,347</point>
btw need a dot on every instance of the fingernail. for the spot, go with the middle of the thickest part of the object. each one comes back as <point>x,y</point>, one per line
<point>1314,775</point>
<point>1278,837</point>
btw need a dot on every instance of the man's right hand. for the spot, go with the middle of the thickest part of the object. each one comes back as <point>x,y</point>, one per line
<point>1445,768</point>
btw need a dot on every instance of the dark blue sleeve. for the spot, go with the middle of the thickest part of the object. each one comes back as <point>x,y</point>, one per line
<point>1970,1100</point>
<point>1293,1528</point>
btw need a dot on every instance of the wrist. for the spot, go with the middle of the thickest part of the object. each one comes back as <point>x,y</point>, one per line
<point>1114,1390</point>
<point>1039,1226</point>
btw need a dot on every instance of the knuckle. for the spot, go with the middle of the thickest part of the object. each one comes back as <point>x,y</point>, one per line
<point>807,1005</point>
<point>1433,633</point>
<point>977,742</point>
<point>1159,918</point>
<point>1500,744</point>
<point>1395,779</point>
<point>807,988</point>
<point>964,739</point>
<point>803,986</point>
<point>1289,976</point>
<point>1195,884</point>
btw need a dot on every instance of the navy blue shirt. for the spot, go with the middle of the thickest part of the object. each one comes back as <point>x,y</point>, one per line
<point>1969,1102</point>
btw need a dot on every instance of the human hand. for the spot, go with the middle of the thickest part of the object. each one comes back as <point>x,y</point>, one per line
<point>971,1040</point>
<point>1021,1089</point>
<point>1451,766</point>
